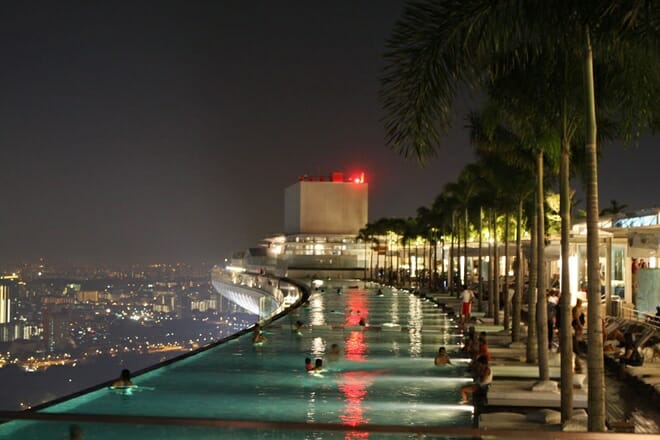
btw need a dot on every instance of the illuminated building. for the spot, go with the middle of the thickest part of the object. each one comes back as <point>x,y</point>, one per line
<point>89,296</point>
<point>56,329</point>
<point>320,207</point>
<point>322,218</point>
<point>8,286</point>
<point>164,302</point>
<point>628,259</point>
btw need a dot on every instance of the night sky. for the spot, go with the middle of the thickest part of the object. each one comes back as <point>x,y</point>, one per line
<point>159,131</point>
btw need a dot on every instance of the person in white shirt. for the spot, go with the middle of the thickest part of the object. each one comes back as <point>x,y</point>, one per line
<point>466,307</point>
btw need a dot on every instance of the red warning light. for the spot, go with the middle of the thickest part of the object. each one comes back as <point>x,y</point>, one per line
<point>358,179</point>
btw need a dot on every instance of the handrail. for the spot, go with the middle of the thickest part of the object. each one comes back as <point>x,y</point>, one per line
<point>301,426</point>
<point>641,317</point>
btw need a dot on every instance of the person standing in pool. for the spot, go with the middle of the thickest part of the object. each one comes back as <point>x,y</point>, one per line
<point>257,336</point>
<point>124,380</point>
<point>442,358</point>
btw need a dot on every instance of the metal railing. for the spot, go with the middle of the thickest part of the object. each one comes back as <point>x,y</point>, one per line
<point>647,319</point>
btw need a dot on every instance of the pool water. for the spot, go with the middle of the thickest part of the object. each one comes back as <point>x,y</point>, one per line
<point>383,375</point>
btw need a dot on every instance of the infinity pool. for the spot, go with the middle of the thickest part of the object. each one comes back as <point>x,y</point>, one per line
<point>384,375</point>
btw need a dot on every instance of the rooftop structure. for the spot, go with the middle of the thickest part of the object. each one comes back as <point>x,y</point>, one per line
<point>319,206</point>
<point>322,218</point>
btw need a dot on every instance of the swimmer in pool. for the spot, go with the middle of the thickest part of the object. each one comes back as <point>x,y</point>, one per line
<point>124,380</point>
<point>442,358</point>
<point>308,365</point>
<point>318,365</point>
<point>257,336</point>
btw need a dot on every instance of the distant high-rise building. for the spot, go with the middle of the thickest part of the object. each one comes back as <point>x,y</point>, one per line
<point>8,289</point>
<point>56,330</point>
<point>164,302</point>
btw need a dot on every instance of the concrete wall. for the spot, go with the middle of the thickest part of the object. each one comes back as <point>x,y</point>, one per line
<point>325,208</point>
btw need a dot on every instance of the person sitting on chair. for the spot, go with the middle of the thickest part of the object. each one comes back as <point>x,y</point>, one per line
<point>631,355</point>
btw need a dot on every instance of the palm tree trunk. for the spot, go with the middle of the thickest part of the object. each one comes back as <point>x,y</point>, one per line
<point>410,266</point>
<point>371,264</point>
<point>532,343</point>
<point>426,259</point>
<point>435,261</point>
<point>442,259</point>
<point>595,361</point>
<point>542,303</point>
<point>517,303</point>
<point>480,258</point>
<point>365,261</point>
<point>466,272</point>
<point>496,276</point>
<point>505,287</point>
<point>491,268</point>
<point>451,256</point>
<point>564,324</point>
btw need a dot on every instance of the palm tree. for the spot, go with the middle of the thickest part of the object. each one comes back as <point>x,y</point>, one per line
<point>614,208</point>
<point>463,192</point>
<point>511,165</point>
<point>442,215</point>
<point>438,47</point>
<point>365,237</point>
<point>428,225</point>
<point>450,205</point>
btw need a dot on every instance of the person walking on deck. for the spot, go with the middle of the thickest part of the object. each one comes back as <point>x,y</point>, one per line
<point>467,296</point>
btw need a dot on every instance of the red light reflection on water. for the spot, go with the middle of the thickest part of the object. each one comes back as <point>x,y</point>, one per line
<point>355,346</point>
<point>354,383</point>
<point>357,307</point>
<point>354,386</point>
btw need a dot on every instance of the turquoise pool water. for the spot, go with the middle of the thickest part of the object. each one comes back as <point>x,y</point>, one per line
<point>384,375</point>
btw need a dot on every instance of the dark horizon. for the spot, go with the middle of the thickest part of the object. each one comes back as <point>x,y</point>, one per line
<point>164,132</point>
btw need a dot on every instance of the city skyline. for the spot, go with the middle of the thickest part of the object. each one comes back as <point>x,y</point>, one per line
<point>141,133</point>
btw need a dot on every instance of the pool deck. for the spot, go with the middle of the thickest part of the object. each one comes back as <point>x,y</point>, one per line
<point>511,402</point>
